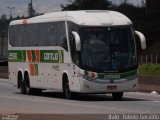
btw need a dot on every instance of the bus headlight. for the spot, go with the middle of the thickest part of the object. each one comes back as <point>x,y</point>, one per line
<point>91,76</point>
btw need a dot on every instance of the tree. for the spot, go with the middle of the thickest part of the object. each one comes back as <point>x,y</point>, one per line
<point>87,5</point>
<point>4,17</point>
<point>4,23</point>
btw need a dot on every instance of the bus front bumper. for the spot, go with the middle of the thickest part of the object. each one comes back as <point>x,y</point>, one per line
<point>101,87</point>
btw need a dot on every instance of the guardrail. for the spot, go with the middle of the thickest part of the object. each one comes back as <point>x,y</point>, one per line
<point>149,59</point>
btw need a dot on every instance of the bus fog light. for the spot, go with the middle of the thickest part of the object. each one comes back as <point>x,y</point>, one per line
<point>87,77</point>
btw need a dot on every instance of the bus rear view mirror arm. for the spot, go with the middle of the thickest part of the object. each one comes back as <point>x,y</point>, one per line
<point>142,39</point>
<point>77,40</point>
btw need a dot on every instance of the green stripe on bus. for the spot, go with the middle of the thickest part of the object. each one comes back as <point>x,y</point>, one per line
<point>24,56</point>
<point>33,56</point>
<point>36,69</point>
<point>114,75</point>
<point>46,56</point>
<point>121,75</point>
<point>15,56</point>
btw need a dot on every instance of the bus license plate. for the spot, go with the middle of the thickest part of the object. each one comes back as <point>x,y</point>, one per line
<point>112,87</point>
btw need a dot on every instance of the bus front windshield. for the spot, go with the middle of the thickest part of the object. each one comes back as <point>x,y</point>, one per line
<point>107,48</point>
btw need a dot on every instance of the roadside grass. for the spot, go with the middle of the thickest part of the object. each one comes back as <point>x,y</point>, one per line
<point>149,70</point>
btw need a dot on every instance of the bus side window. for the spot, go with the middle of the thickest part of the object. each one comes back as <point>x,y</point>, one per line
<point>64,43</point>
<point>57,34</point>
<point>61,39</point>
<point>12,36</point>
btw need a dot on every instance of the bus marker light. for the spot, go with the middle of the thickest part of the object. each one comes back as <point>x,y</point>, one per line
<point>24,21</point>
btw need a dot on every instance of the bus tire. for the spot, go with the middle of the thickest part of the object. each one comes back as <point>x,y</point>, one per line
<point>22,88</point>
<point>25,86</point>
<point>66,90</point>
<point>117,95</point>
<point>19,80</point>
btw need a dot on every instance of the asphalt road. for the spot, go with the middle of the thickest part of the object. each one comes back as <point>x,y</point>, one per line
<point>49,102</point>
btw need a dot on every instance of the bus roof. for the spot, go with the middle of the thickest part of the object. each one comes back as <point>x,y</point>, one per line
<point>88,18</point>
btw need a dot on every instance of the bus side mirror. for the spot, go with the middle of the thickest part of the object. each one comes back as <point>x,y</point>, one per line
<point>77,41</point>
<point>142,39</point>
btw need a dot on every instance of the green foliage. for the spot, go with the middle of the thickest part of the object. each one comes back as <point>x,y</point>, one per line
<point>3,17</point>
<point>136,14</point>
<point>154,48</point>
<point>149,70</point>
<point>149,26</point>
<point>4,23</point>
<point>87,5</point>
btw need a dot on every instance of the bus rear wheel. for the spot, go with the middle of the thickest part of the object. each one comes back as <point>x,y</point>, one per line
<point>24,87</point>
<point>117,95</point>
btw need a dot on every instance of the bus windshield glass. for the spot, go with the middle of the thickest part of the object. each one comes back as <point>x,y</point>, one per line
<point>107,48</point>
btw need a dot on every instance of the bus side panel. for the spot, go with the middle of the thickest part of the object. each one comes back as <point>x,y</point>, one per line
<point>58,69</point>
<point>73,77</point>
<point>75,87</point>
<point>45,76</point>
<point>12,73</point>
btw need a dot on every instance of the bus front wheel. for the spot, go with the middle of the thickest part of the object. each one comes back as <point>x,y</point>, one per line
<point>117,95</point>
<point>66,90</point>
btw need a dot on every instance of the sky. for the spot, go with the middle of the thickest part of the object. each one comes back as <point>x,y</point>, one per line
<point>41,6</point>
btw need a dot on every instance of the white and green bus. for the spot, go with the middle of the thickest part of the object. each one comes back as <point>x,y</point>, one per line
<point>90,52</point>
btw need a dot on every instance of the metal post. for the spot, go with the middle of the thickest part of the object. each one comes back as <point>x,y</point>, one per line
<point>10,8</point>
<point>146,59</point>
<point>141,59</point>
<point>156,59</point>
